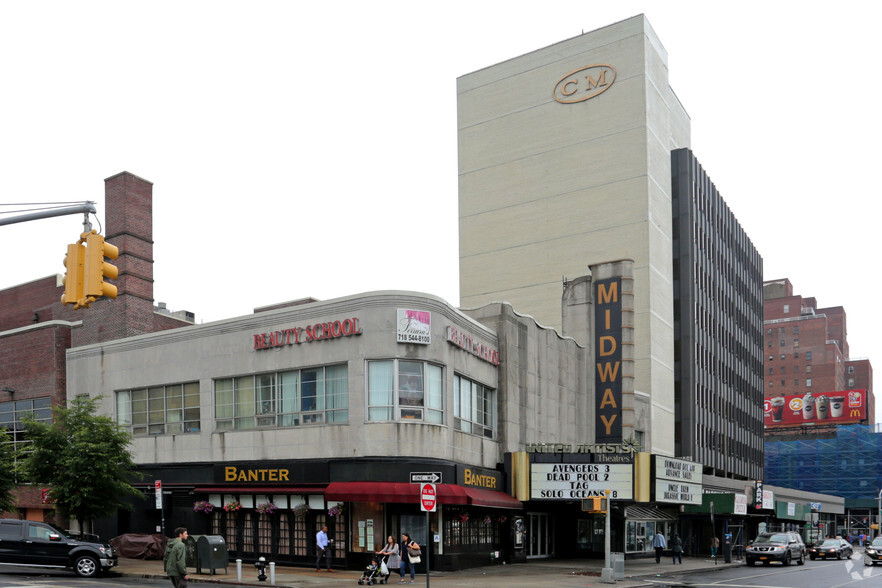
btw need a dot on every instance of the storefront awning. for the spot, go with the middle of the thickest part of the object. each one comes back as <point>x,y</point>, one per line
<point>648,513</point>
<point>480,497</point>
<point>259,490</point>
<point>410,493</point>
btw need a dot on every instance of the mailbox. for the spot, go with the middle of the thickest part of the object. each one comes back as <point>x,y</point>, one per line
<point>212,553</point>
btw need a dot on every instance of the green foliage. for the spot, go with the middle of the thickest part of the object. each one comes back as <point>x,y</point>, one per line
<point>83,458</point>
<point>7,472</point>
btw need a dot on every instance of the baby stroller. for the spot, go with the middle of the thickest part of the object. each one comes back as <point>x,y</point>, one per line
<point>373,574</point>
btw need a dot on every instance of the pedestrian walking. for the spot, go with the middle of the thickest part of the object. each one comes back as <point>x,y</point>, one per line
<point>715,544</point>
<point>321,549</point>
<point>677,548</point>
<point>660,544</point>
<point>410,555</point>
<point>391,551</point>
<point>175,559</point>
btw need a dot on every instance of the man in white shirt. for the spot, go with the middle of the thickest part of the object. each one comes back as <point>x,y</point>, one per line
<point>321,544</point>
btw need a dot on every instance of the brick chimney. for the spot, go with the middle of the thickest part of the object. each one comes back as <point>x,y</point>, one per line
<point>128,220</point>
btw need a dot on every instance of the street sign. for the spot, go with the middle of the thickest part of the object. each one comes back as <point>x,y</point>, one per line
<point>157,486</point>
<point>428,498</point>
<point>423,477</point>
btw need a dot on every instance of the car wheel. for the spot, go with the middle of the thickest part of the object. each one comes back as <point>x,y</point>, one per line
<point>801,560</point>
<point>839,555</point>
<point>787,558</point>
<point>86,566</point>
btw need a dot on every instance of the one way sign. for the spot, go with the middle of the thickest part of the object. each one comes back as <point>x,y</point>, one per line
<point>425,477</point>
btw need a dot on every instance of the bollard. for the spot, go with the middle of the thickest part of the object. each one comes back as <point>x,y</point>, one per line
<point>238,570</point>
<point>273,573</point>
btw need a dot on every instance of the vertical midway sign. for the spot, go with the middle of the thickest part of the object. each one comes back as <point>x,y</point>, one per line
<point>608,360</point>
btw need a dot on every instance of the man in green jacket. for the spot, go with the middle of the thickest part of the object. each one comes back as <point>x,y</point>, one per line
<point>176,559</point>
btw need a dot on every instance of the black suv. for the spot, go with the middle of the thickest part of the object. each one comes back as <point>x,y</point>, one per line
<point>28,543</point>
<point>769,547</point>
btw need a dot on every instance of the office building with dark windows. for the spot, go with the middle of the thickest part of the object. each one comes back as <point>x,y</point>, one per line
<point>717,328</point>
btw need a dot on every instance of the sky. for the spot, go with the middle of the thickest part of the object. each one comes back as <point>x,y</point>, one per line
<point>309,149</point>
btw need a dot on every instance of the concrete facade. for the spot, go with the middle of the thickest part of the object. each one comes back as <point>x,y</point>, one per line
<point>548,188</point>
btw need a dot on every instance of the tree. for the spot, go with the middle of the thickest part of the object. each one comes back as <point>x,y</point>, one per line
<point>7,472</point>
<point>83,458</point>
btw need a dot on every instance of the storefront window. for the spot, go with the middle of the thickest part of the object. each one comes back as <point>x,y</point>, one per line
<point>474,407</point>
<point>283,399</point>
<point>367,533</point>
<point>412,390</point>
<point>159,410</point>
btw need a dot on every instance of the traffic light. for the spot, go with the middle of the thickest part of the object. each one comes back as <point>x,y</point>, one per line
<point>98,270</point>
<point>74,265</point>
<point>594,504</point>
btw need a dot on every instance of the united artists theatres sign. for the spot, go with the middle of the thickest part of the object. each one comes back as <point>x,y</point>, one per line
<point>608,360</point>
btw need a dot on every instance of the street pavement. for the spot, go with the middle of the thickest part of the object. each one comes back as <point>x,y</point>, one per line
<point>576,572</point>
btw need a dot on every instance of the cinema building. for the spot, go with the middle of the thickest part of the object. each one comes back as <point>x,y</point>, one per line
<point>313,413</point>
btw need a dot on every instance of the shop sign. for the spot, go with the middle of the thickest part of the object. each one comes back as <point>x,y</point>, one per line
<point>234,474</point>
<point>584,83</point>
<point>677,480</point>
<point>740,504</point>
<point>574,481</point>
<point>849,406</point>
<point>671,491</point>
<point>297,335</point>
<point>768,499</point>
<point>601,452</point>
<point>479,478</point>
<point>668,468</point>
<point>608,358</point>
<point>470,345</point>
<point>414,326</point>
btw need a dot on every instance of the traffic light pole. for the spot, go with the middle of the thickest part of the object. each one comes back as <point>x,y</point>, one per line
<point>85,208</point>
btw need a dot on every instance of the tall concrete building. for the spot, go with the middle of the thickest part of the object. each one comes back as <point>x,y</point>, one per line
<point>565,161</point>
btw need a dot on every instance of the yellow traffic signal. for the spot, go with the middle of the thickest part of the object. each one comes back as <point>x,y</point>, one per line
<point>594,504</point>
<point>98,270</point>
<point>74,265</point>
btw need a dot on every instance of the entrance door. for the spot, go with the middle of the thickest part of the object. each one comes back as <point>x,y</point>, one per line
<point>540,535</point>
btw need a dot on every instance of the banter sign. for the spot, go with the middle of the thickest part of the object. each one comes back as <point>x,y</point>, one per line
<point>608,360</point>
<point>848,406</point>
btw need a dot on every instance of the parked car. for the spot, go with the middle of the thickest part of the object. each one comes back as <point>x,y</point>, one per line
<point>828,548</point>
<point>29,543</point>
<point>769,547</point>
<point>873,552</point>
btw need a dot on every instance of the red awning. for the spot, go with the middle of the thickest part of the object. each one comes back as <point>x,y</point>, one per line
<point>480,497</point>
<point>259,490</point>
<point>410,494</point>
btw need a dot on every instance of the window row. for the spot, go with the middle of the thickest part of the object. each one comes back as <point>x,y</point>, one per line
<point>12,415</point>
<point>397,390</point>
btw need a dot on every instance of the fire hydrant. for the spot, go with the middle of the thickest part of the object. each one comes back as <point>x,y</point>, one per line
<point>260,564</point>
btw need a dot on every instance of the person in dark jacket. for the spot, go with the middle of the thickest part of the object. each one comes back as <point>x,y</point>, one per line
<point>175,559</point>
<point>676,548</point>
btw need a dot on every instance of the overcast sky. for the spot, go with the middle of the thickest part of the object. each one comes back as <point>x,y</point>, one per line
<point>309,149</point>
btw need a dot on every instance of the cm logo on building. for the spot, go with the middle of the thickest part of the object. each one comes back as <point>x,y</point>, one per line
<point>584,83</point>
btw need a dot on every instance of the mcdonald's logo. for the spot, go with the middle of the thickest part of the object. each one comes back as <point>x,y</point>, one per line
<point>855,413</point>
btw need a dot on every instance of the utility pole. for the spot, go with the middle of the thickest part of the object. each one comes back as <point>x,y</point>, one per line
<point>85,208</point>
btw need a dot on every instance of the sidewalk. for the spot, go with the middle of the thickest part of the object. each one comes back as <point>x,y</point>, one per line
<point>638,572</point>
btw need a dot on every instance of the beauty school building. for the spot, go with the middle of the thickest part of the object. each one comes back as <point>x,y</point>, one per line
<point>265,427</point>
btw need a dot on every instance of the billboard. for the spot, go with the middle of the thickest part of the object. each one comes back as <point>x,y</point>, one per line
<point>848,406</point>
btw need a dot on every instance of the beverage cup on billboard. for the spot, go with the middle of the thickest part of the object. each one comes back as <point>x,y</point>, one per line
<point>823,404</point>
<point>778,409</point>
<point>808,407</point>
<point>836,404</point>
